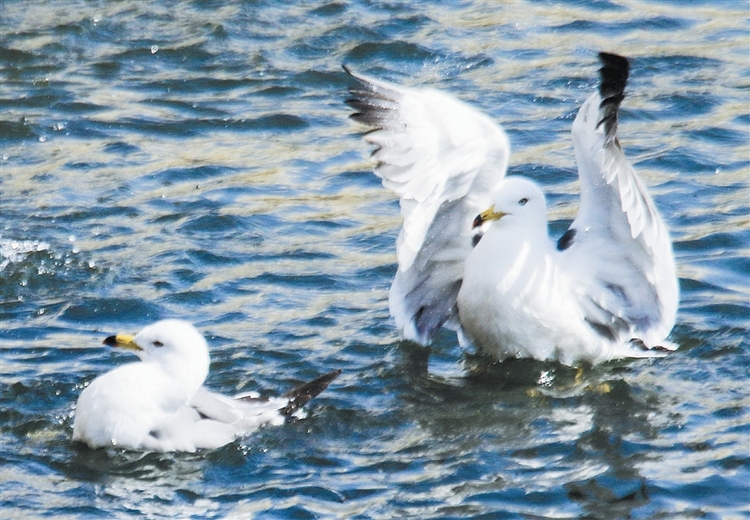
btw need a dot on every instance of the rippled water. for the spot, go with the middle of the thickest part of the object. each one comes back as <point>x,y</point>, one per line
<point>195,160</point>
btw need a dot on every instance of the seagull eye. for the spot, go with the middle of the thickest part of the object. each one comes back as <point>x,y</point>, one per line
<point>157,344</point>
<point>523,201</point>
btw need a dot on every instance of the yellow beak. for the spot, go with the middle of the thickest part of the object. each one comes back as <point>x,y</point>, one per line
<point>487,215</point>
<point>122,341</point>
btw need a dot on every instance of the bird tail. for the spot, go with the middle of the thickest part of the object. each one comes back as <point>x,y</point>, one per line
<point>303,394</point>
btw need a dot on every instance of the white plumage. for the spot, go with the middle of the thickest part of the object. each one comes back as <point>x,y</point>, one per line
<point>607,289</point>
<point>160,403</point>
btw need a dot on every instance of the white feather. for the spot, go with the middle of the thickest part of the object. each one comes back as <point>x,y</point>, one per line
<point>516,294</point>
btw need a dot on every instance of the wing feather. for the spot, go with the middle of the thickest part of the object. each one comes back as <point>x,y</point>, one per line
<point>633,278</point>
<point>442,158</point>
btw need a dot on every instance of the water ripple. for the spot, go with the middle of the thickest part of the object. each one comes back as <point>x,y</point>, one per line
<point>196,160</point>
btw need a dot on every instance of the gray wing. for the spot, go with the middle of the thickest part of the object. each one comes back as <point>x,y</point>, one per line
<point>248,411</point>
<point>443,159</point>
<point>618,245</point>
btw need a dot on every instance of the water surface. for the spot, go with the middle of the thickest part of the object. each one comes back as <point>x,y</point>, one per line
<point>194,159</point>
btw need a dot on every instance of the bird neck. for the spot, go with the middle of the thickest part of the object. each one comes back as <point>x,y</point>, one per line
<point>508,231</point>
<point>188,375</point>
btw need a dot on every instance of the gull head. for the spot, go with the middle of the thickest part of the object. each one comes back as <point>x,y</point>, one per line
<point>175,345</point>
<point>516,201</point>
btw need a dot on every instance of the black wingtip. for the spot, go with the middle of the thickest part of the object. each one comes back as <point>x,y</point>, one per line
<point>352,74</point>
<point>614,77</point>
<point>356,89</point>
<point>303,394</point>
<point>614,74</point>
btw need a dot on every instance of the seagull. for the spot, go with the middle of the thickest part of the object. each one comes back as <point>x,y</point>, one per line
<point>474,254</point>
<point>160,403</point>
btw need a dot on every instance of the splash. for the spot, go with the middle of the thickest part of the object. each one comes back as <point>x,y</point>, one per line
<point>14,251</point>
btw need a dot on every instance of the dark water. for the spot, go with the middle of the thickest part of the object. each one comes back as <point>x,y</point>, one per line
<point>195,160</point>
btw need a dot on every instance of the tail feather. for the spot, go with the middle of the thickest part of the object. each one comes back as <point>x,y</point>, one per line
<point>303,394</point>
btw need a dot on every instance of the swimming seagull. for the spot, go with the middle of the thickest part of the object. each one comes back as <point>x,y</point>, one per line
<point>160,404</point>
<point>474,254</point>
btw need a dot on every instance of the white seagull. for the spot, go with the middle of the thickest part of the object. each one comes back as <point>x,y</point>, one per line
<point>474,254</point>
<point>160,404</point>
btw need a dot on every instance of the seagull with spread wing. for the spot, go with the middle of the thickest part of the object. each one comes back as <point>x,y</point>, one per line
<point>474,254</point>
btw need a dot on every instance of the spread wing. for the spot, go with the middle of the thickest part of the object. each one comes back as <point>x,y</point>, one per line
<point>618,245</point>
<point>443,159</point>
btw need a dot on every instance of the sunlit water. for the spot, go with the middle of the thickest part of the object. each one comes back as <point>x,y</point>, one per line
<point>195,160</point>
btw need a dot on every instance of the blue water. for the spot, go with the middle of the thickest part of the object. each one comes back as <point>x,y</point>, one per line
<point>195,159</point>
